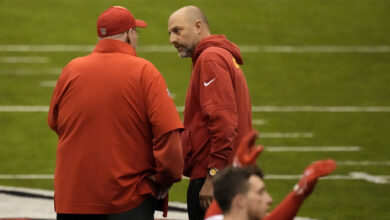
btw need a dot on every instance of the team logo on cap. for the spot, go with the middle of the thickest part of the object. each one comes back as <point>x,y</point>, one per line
<point>103,31</point>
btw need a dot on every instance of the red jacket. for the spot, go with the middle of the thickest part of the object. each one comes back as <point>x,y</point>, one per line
<point>115,123</point>
<point>218,109</point>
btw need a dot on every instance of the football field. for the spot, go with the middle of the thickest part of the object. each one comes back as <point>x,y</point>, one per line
<point>318,73</point>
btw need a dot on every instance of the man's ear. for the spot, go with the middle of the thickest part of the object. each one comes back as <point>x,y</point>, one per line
<point>198,26</point>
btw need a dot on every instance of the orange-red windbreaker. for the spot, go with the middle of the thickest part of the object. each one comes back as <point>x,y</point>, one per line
<point>111,111</point>
<point>218,109</point>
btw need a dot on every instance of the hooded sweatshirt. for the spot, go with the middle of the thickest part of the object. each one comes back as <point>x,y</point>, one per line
<point>218,109</point>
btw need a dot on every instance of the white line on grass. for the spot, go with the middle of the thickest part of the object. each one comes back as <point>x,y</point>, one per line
<point>352,176</point>
<point>18,59</point>
<point>377,179</point>
<point>321,108</point>
<point>285,135</point>
<point>48,71</point>
<point>363,163</point>
<point>311,149</point>
<point>259,122</point>
<point>49,83</point>
<point>243,48</point>
<point>26,176</point>
<point>6,108</point>
<point>23,108</point>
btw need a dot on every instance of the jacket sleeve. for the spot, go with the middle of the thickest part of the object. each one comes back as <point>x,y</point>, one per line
<point>161,110</point>
<point>169,158</point>
<point>218,102</point>
<point>165,126</point>
<point>59,90</point>
<point>287,209</point>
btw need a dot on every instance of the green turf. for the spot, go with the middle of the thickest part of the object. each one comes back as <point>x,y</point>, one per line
<point>27,145</point>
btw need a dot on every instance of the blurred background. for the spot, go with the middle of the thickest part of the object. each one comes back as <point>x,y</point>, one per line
<point>318,73</point>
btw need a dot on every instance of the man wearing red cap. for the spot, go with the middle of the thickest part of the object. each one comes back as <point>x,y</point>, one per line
<point>217,110</point>
<point>119,132</point>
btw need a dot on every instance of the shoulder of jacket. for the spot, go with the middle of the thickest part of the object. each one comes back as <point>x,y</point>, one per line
<point>214,54</point>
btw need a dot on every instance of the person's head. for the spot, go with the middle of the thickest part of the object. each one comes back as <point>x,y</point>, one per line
<point>186,28</point>
<point>118,23</point>
<point>241,191</point>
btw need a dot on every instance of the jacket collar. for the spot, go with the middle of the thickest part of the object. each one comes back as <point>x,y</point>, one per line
<point>114,46</point>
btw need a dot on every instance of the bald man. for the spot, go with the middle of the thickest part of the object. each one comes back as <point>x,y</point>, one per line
<point>218,109</point>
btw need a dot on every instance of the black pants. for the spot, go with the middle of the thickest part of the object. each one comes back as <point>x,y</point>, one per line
<point>195,212</point>
<point>145,211</point>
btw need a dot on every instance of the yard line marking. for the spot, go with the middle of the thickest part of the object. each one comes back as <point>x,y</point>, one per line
<point>21,108</point>
<point>321,108</point>
<point>6,108</point>
<point>382,179</point>
<point>244,48</point>
<point>315,49</point>
<point>363,163</point>
<point>259,122</point>
<point>48,71</point>
<point>311,149</point>
<point>377,179</point>
<point>46,48</point>
<point>370,178</point>
<point>285,135</point>
<point>26,176</point>
<point>49,83</point>
<point>18,59</point>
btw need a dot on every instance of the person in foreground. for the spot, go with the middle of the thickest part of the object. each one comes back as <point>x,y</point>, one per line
<point>119,144</point>
<point>217,108</point>
<point>245,196</point>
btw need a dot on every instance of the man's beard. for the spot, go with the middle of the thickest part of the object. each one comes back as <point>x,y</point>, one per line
<point>185,51</point>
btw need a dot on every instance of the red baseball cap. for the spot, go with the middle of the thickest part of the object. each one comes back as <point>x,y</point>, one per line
<point>115,20</point>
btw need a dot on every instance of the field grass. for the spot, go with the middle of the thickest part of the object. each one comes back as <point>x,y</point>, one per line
<point>28,146</point>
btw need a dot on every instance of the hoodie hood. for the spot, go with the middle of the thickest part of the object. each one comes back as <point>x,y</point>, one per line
<point>217,41</point>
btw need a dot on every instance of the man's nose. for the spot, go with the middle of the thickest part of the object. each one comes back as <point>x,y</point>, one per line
<point>270,201</point>
<point>172,38</point>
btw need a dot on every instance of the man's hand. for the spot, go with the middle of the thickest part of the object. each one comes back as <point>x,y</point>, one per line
<point>247,152</point>
<point>206,193</point>
<point>311,174</point>
<point>162,190</point>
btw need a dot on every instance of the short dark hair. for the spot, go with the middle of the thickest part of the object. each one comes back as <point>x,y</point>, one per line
<point>232,181</point>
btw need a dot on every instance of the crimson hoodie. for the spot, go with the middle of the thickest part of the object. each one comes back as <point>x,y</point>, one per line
<point>218,109</point>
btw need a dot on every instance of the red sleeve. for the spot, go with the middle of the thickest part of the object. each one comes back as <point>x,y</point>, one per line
<point>218,102</point>
<point>169,158</point>
<point>59,91</point>
<point>161,109</point>
<point>287,209</point>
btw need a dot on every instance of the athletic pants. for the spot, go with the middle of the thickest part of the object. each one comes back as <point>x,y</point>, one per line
<point>145,211</point>
<point>195,212</point>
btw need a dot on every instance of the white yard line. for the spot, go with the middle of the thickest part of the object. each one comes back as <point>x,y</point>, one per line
<point>285,135</point>
<point>26,108</point>
<point>312,149</point>
<point>321,108</point>
<point>19,59</point>
<point>49,83</point>
<point>363,163</point>
<point>244,48</point>
<point>259,122</point>
<point>381,179</point>
<point>377,179</point>
<point>26,176</point>
<point>47,71</point>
